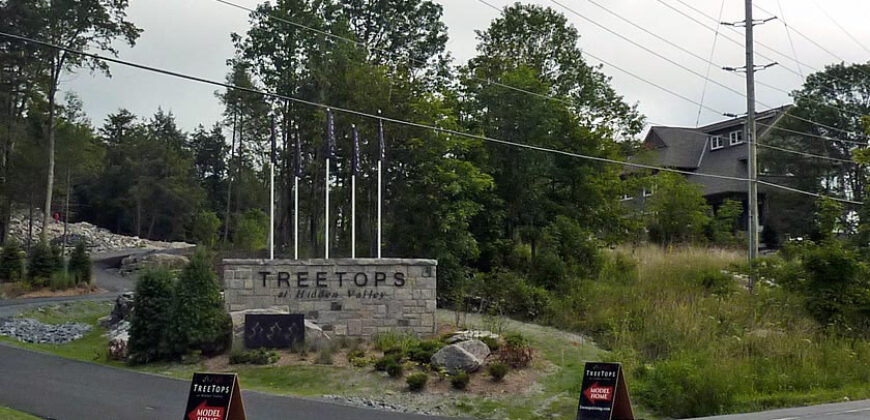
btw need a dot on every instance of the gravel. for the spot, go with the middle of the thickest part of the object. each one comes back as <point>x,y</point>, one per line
<point>379,405</point>
<point>30,330</point>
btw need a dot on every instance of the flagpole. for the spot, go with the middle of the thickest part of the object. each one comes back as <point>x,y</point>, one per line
<point>326,245</point>
<point>296,218</point>
<point>380,182</point>
<point>297,173</point>
<point>272,194</point>
<point>330,151</point>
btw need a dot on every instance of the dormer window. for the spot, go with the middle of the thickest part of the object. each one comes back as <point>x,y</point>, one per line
<point>716,142</point>
<point>736,137</point>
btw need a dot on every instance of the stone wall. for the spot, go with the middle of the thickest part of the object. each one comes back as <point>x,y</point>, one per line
<point>353,297</point>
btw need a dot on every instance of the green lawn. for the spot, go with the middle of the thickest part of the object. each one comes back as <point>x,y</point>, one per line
<point>561,355</point>
<point>10,414</point>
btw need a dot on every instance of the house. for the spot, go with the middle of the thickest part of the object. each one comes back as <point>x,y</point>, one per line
<point>716,149</point>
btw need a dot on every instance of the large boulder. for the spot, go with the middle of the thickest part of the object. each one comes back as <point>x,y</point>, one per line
<point>455,359</point>
<point>135,263</point>
<point>119,338</point>
<point>477,348</point>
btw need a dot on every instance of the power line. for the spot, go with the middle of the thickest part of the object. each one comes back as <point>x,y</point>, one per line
<point>843,29</point>
<point>393,120</point>
<point>709,67</point>
<point>740,44</point>
<point>809,155</point>
<point>788,35</point>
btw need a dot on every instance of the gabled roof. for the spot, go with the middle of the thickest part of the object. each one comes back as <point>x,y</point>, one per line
<point>676,147</point>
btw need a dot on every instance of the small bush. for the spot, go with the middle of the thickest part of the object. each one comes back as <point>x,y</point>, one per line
<point>460,380</point>
<point>395,369</point>
<point>516,351</point>
<point>80,264</point>
<point>422,351</point>
<point>60,281</point>
<point>417,381</point>
<point>324,357</point>
<point>11,262</point>
<point>254,357</point>
<point>492,343</point>
<point>355,354</point>
<point>382,363</point>
<point>716,282</point>
<point>394,342</point>
<point>498,370</point>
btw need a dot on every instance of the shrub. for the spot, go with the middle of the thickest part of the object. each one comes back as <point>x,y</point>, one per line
<point>80,264</point>
<point>492,343</point>
<point>394,342</point>
<point>41,264</point>
<point>498,370</point>
<point>60,281</point>
<point>417,381</point>
<point>715,281</point>
<point>11,262</point>
<point>199,319</point>
<point>254,357</point>
<point>516,351</point>
<point>252,231</point>
<point>837,288</point>
<point>204,228</point>
<point>688,388</point>
<point>151,318</point>
<point>382,363</point>
<point>460,380</point>
<point>324,357</point>
<point>395,369</point>
<point>355,354</point>
<point>422,351</point>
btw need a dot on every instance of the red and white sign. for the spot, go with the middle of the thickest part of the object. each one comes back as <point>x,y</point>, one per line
<point>597,393</point>
<point>204,412</point>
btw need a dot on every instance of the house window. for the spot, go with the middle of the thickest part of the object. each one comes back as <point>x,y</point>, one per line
<point>647,192</point>
<point>716,142</point>
<point>736,137</point>
<point>626,197</point>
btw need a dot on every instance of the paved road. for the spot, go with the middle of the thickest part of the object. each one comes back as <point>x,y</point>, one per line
<point>854,410</point>
<point>56,388</point>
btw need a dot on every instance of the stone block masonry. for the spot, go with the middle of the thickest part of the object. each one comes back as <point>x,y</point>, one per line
<point>353,297</point>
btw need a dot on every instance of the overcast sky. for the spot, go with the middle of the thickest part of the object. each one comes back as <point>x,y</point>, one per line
<point>192,37</point>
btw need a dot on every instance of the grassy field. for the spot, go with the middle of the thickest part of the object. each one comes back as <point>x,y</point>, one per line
<point>10,414</point>
<point>696,342</point>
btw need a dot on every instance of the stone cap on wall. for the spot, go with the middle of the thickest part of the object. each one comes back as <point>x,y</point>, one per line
<point>333,261</point>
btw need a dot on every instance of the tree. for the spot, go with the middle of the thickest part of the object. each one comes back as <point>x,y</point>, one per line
<point>11,262</point>
<point>79,266</point>
<point>152,318</point>
<point>204,228</point>
<point>679,209</point>
<point>199,319</point>
<point>78,25</point>
<point>724,223</point>
<point>828,214</point>
<point>252,231</point>
<point>42,264</point>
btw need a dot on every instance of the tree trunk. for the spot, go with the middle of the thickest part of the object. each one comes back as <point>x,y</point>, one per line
<point>151,226</point>
<point>49,185</point>
<point>139,217</point>
<point>30,223</point>
<point>66,213</point>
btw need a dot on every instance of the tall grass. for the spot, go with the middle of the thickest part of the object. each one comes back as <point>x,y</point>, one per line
<point>696,342</point>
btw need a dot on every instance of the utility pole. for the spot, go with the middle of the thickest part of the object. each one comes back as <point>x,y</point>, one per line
<point>751,133</point>
<point>751,137</point>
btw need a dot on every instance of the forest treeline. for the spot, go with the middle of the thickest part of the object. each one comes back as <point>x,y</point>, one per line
<point>473,205</point>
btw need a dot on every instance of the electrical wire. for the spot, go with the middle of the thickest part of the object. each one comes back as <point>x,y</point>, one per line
<point>399,121</point>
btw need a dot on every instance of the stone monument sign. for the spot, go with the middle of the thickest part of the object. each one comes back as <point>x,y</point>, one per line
<point>353,297</point>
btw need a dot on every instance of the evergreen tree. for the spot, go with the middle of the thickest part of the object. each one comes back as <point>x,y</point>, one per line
<point>199,319</point>
<point>41,264</point>
<point>80,264</point>
<point>11,262</point>
<point>152,317</point>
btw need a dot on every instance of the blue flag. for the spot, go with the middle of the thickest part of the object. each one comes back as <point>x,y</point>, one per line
<point>355,157</point>
<point>297,158</point>
<point>330,135</point>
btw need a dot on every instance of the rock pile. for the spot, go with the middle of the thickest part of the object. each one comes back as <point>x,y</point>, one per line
<point>134,263</point>
<point>32,331</point>
<point>118,324</point>
<point>97,239</point>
